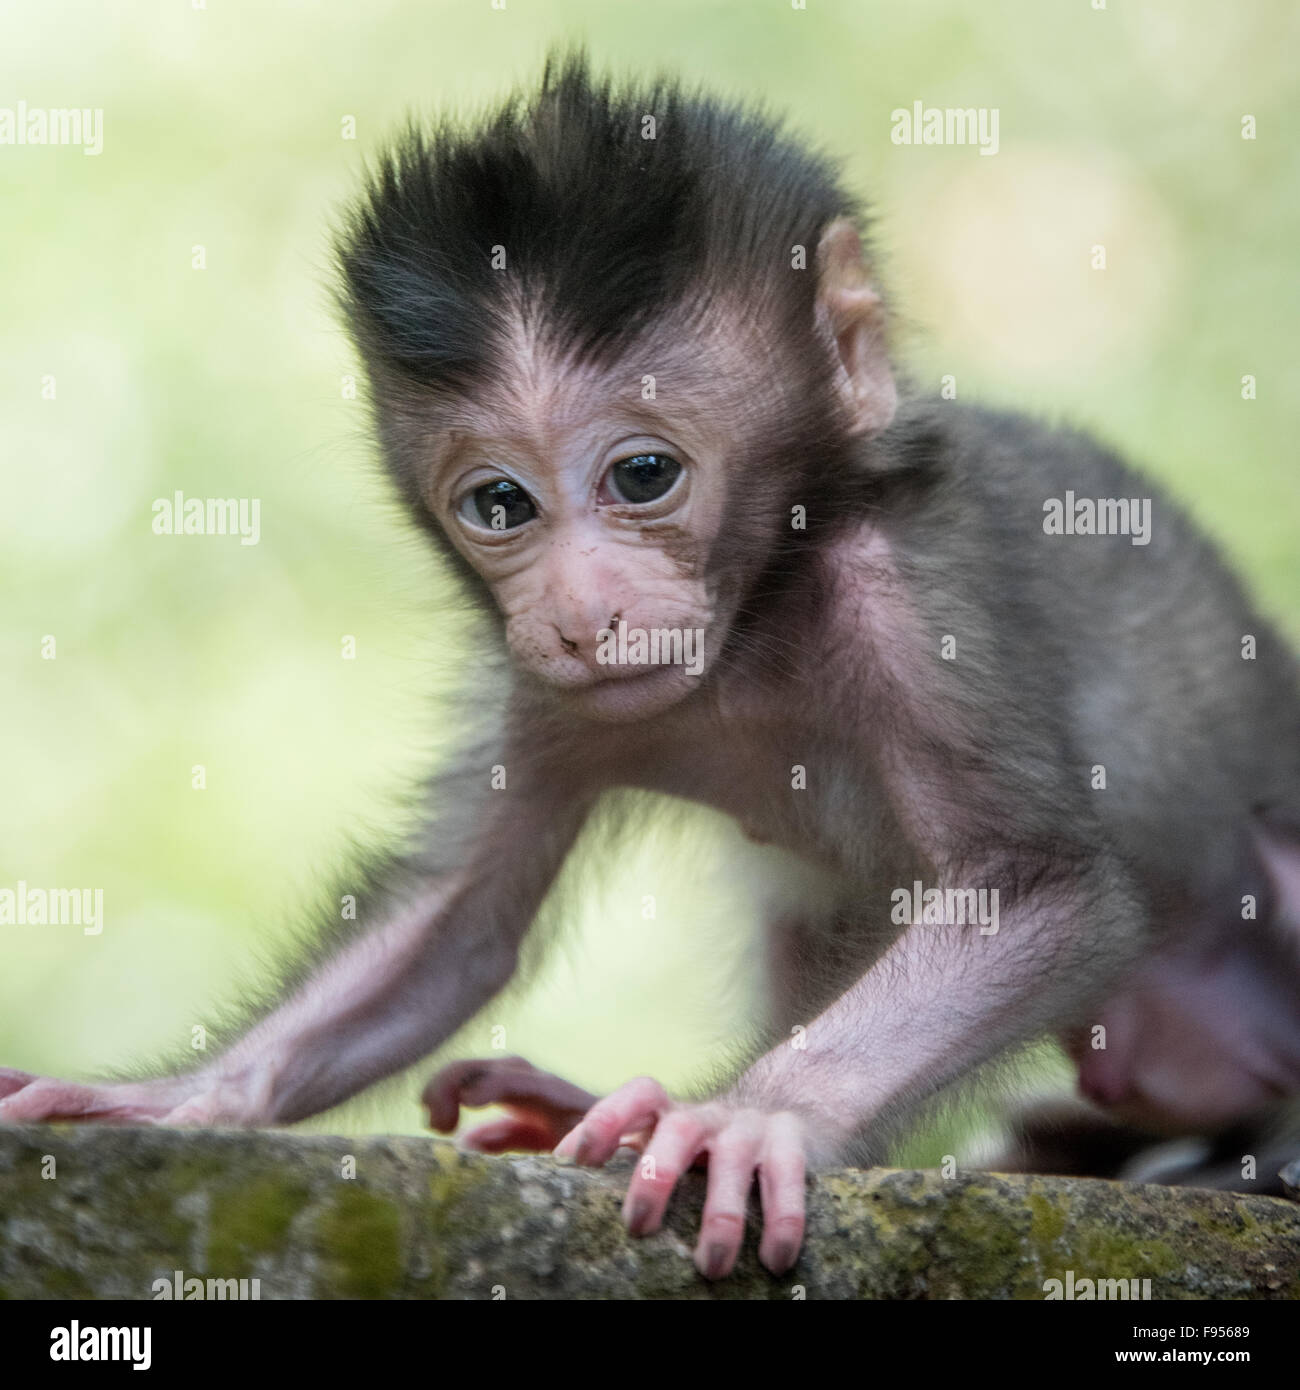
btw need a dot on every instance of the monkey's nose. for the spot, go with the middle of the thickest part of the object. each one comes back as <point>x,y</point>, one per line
<point>583,646</point>
<point>579,646</point>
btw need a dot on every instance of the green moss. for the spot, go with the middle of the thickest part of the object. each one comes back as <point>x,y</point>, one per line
<point>597,1229</point>
<point>251,1219</point>
<point>61,1282</point>
<point>414,1228</point>
<point>1232,1222</point>
<point>196,1169</point>
<point>1125,1254</point>
<point>453,1179</point>
<point>985,1244</point>
<point>1046,1221</point>
<point>153,1211</point>
<point>360,1235</point>
<point>452,1214</point>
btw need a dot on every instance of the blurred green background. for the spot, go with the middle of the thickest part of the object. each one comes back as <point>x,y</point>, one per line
<point>224,127</point>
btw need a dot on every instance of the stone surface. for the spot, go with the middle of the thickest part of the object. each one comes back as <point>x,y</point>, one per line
<point>124,1208</point>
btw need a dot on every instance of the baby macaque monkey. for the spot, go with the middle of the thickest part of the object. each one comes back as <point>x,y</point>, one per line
<point>1035,758</point>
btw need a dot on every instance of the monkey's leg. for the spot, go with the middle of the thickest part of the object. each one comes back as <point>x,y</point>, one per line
<point>798,945</point>
<point>1068,1138</point>
<point>1202,1045</point>
<point>1279,844</point>
<point>1267,1149</point>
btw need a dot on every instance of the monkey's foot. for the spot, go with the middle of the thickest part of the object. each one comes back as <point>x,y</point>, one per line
<point>542,1108</point>
<point>738,1144</point>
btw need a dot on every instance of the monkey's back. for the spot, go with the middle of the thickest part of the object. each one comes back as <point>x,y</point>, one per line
<point>1140,651</point>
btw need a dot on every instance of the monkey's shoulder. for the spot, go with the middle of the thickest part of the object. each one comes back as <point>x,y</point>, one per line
<point>1004,449</point>
<point>1015,482</point>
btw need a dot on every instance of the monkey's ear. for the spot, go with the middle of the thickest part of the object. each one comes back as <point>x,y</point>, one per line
<point>852,315</point>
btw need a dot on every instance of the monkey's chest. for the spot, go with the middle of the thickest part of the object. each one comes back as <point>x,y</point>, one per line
<point>823,807</point>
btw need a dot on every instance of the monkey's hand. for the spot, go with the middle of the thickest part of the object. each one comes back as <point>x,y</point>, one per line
<point>739,1144</point>
<point>28,1099</point>
<point>541,1107</point>
<point>173,1100</point>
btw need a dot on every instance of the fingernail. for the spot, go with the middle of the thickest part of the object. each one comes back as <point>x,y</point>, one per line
<point>715,1263</point>
<point>582,1154</point>
<point>783,1257</point>
<point>638,1216</point>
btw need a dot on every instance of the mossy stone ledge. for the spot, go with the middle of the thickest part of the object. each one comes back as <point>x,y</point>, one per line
<point>112,1213</point>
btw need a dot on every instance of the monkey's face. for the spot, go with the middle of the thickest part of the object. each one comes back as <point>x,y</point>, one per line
<point>591,514</point>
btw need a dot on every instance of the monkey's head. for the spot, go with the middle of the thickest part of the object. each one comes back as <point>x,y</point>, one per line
<point>623,350</point>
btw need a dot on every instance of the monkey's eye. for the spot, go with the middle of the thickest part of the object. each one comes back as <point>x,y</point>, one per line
<point>642,478</point>
<point>499,505</point>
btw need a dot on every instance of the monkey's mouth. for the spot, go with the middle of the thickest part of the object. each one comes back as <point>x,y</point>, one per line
<point>632,694</point>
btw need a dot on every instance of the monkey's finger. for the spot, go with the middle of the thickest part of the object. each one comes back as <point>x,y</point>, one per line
<point>514,1134</point>
<point>11,1080</point>
<point>634,1105</point>
<point>508,1081</point>
<point>442,1095</point>
<point>539,1091</point>
<point>46,1099</point>
<point>781,1185</point>
<point>678,1137</point>
<point>733,1156</point>
<point>458,1082</point>
<point>638,1138</point>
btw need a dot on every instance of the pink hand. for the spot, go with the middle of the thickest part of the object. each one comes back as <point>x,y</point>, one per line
<point>542,1107</point>
<point>28,1099</point>
<point>738,1143</point>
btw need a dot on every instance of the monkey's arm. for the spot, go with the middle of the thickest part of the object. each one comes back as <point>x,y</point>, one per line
<point>431,958</point>
<point>941,1001</point>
